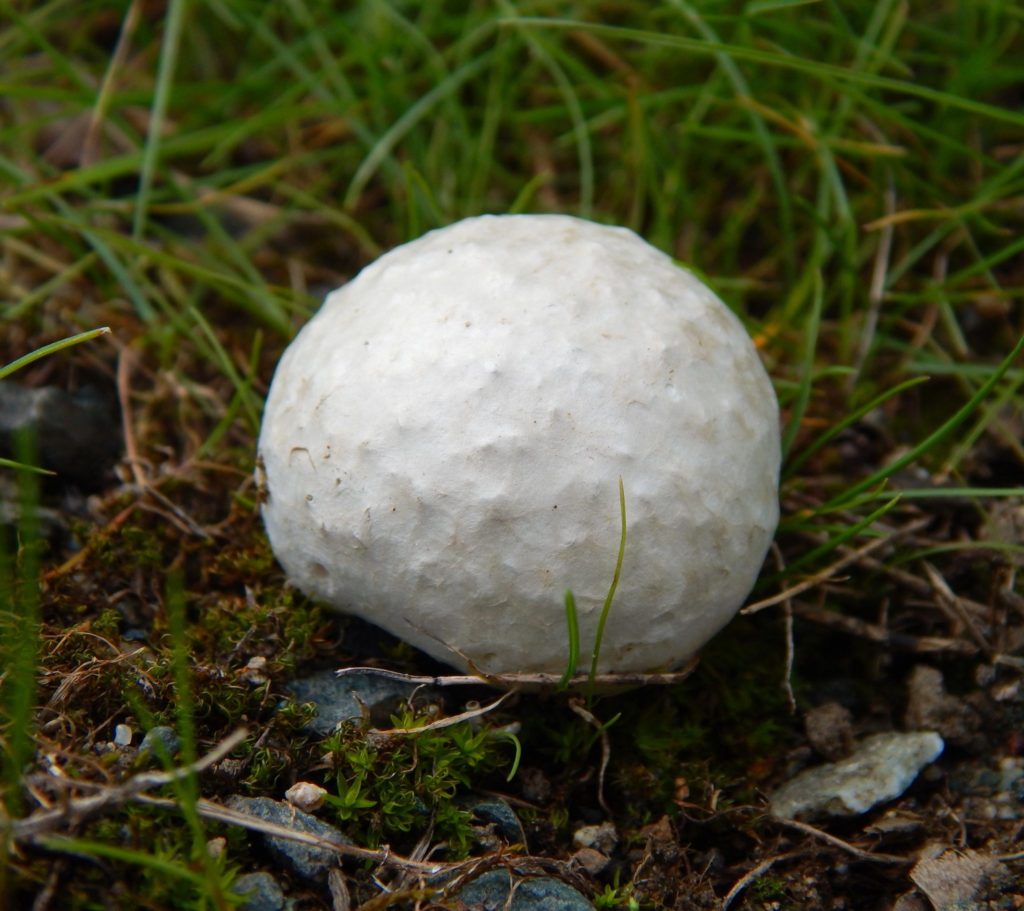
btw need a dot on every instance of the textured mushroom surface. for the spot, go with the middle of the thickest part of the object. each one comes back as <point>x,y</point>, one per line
<point>442,446</point>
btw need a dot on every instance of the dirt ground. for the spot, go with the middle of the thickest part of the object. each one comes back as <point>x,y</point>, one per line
<point>904,630</point>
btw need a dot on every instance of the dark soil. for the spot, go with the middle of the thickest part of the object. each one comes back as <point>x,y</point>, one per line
<point>163,566</point>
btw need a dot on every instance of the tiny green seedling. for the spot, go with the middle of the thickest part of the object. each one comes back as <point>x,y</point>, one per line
<point>572,620</point>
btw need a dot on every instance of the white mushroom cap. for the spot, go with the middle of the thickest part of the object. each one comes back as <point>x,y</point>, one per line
<point>442,446</point>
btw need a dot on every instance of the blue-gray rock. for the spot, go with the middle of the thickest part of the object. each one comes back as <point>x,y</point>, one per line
<point>308,861</point>
<point>261,890</point>
<point>490,892</point>
<point>881,768</point>
<point>338,699</point>
<point>161,742</point>
<point>499,814</point>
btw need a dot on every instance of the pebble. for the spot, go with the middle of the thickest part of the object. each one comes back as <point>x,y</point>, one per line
<point>261,890</point>
<point>660,840</point>
<point>499,817</point>
<point>829,728</point>
<point>931,708</point>
<point>490,892</point>
<point>307,861</point>
<point>338,699</point>
<point>594,862</point>
<point>881,768</point>
<point>602,837</point>
<point>160,742</point>
<point>992,793</point>
<point>122,735</point>
<point>254,671</point>
<point>306,796</point>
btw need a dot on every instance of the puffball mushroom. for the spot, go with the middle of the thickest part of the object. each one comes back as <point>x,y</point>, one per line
<point>443,442</point>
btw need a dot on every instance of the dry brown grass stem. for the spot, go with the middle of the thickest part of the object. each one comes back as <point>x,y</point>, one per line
<point>580,709</point>
<point>143,486</point>
<point>755,874</point>
<point>441,722</point>
<point>836,842</point>
<point>954,608</point>
<point>77,809</point>
<point>520,681</point>
<point>830,572</point>
<point>877,633</point>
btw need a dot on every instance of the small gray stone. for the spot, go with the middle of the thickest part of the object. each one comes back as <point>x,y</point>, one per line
<point>307,861</point>
<point>490,892</point>
<point>931,708</point>
<point>338,699</point>
<point>829,729</point>
<point>602,837</point>
<point>161,742</point>
<point>262,891</point>
<point>881,768</point>
<point>594,862</point>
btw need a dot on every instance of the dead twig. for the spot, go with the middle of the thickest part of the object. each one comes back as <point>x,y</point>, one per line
<point>756,874</point>
<point>859,853</point>
<point>876,290</point>
<point>606,747</point>
<point>1004,858</point>
<point>952,607</point>
<point>512,681</point>
<point>77,809</point>
<point>787,608</point>
<point>876,633</point>
<point>518,681</point>
<point>208,809</point>
<point>71,683</point>
<point>920,586</point>
<point>340,898</point>
<point>441,722</point>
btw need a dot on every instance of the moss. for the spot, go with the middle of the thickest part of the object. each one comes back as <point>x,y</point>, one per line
<point>395,784</point>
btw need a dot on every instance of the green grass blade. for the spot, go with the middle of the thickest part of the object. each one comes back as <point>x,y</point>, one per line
<point>52,348</point>
<point>572,622</point>
<point>21,466</point>
<point>158,113</point>
<point>19,636</point>
<point>383,147</point>
<point>517,758</point>
<point>935,437</point>
<point>581,132</point>
<point>847,533</point>
<point>803,396</point>
<point>87,847</point>
<point>795,464</point>
<point>761,132</point>
<point>947,493</point>
<point>606,609</point>
<point>828,72</point>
